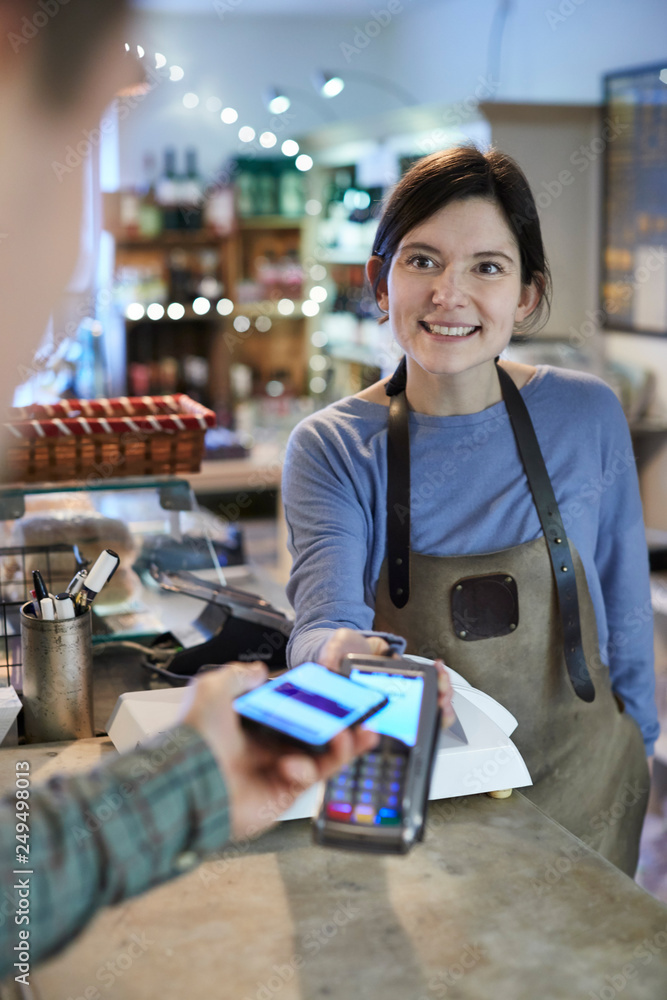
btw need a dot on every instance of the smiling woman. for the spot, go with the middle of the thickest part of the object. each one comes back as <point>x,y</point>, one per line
<point>454,296</point>
<point>479,570</point>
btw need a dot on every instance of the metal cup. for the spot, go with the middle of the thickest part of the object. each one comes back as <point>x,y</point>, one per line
<point>57,677</point>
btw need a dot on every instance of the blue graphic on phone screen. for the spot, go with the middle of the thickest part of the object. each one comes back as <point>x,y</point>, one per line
<point>309,702</point>
<point>400,718</point>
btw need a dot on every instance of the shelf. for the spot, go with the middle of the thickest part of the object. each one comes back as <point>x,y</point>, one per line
<point>271,222</point>
<point>173,490</point>
<point>252,309</point>
<point>172,238</point>
<point>189,316</point>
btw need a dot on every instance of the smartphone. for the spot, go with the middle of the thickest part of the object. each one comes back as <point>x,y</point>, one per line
<point>378,802</point>
<point>307,706</point>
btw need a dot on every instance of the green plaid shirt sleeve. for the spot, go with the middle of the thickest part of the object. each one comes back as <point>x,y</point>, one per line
<point>100,837</point>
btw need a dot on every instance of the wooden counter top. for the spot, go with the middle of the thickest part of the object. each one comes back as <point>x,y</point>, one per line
<point>499,903</point>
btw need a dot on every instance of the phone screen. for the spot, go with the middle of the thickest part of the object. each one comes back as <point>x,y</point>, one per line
<point>400,718</point>
<point>309,703</point>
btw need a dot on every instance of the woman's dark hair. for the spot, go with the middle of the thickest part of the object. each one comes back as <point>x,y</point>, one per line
<point>453,175</point>
<point>67,35</point>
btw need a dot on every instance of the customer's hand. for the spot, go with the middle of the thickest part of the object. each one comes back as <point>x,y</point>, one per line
<point>261,782</point>
<point>346,640</point>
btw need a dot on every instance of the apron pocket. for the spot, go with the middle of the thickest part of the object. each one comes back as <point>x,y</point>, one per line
<point>484,607</point>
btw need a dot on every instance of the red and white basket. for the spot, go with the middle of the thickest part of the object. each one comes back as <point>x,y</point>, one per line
<point>105,438</point>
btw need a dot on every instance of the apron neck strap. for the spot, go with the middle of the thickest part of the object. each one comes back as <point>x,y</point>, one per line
<point>398,514</point>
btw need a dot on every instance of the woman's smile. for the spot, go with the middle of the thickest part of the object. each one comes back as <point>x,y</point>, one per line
<point>448,330</point>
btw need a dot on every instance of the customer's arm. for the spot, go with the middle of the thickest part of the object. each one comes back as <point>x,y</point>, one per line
<point>101,837</point>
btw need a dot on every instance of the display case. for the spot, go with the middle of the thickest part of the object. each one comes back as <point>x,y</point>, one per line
<point>153,523</point>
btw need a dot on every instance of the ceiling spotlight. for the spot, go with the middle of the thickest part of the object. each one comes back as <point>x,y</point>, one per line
<point>277,102</point>
<point>328,84</point>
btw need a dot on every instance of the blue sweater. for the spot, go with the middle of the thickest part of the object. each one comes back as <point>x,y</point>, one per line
<point>470,495</point>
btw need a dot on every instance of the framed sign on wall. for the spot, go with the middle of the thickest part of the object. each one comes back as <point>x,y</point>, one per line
<point>634,238</point>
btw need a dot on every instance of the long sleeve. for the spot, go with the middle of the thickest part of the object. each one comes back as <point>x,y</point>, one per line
<point>330,525</point>
<point>98,838</point>
<point>621,558</point>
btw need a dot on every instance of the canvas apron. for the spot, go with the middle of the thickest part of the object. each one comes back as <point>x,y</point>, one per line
<point>501,619</point>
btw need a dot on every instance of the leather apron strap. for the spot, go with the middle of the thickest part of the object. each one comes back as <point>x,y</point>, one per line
<point>398,515</point>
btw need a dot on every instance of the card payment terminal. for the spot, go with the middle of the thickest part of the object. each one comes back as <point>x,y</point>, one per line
<point>378,803</point>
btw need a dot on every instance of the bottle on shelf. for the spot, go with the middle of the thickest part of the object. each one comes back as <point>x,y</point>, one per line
<point>246,192</point>
<point>130,203</point>
<point>208,283</point>
<point>150,212</point>
<point>291,196</point>
<point>167,192</point>
<point>291,275</point>
<point>180,276</point>
<point>266,202</point>
<point>219,210</point>
<point>191,193</point>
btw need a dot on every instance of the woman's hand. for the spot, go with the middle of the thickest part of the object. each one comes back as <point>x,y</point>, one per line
<point>261,782</point>
<point>346,640</point>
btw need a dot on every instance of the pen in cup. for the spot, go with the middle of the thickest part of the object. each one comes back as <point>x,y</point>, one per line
<point>40,587</point>
<point>47,609</point>
<point>102,571</point>
<point>64,607</point>
<point>76,582</point>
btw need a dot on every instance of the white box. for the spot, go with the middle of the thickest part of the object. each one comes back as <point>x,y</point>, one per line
<point>488,762</point>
